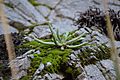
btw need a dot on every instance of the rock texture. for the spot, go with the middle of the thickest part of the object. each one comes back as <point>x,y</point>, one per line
<point>62,14</point>
<point>104,70</point>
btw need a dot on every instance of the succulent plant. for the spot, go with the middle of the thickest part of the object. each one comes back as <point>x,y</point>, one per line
<point>64,40</point>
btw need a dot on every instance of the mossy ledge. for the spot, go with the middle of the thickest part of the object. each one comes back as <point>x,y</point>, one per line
<point>48,53</point>
<point>59,58</point>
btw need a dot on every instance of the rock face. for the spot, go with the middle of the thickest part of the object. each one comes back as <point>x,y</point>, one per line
<point>4,63</point>
<point>21,66</point>
<point>94,73</point>
<point>62,14</point>
<point>103,70</point>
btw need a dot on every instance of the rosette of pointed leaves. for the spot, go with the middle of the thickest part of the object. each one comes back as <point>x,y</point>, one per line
<point>65,40</point>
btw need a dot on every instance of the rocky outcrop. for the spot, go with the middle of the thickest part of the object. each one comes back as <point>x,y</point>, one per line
<point>103,70</point>
<point>62,14</point>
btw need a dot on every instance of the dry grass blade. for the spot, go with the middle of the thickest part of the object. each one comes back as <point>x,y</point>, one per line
<point>8,39</point>
<point>114,55</point>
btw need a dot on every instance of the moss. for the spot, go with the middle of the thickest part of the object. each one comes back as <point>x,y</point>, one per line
<point>99,53</point>
<point>77,72</point>
<point>70,70</point>
<point>56,57</point>
<point>48,54</point>
<point>25,78</point>
<point>59,58</point>
<point>34,3</point>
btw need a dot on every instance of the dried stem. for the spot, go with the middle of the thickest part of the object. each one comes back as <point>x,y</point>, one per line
<point>114,53</point>
<point>8,39</point>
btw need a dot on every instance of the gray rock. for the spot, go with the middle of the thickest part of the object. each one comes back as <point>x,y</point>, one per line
<point>76,52</point>
<point>28,10</point>
<point>38,52</point>
<point>13,15</point>
<point>47,76</point>
<point>102,38</point>
<point>28,38</point>
<point>112,4</point>
<point>43,10</point>
<point>42,31</point>
<point>82,76</point>
<point>93,73</point>
<point>52,16</point>
<point>1,78</point>
<point>1,30</point>
<point>41,67</point>
<point>48,64</point>
<point>73,57</point>
<point>117,43</point>
<point>38,78</point>
<point>24,11</point>
<point>50,3</point>
<point>109,69</point>
<point>72,6</point>
<point>20,66</point>
<point>108,64</point>
<point>103,70</point>
<point>21,74</point>
<point>31,56</point>
<point>11,29</point>
<point>64,25</point>
<point>26,54</point>
<point>53,76</point>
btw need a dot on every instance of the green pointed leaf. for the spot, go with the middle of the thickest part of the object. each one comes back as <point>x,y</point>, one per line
<point>58,35</point>
<point>53,34</point>
<point>75,39</point>
<point>43,42</point>
<point>80,45</point>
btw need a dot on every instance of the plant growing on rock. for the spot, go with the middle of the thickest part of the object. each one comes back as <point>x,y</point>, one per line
<point>66,40</point>
<point>94,17</point>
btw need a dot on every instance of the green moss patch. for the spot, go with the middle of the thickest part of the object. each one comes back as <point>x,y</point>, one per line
<point>59,59</point>
<point>48,53</point>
